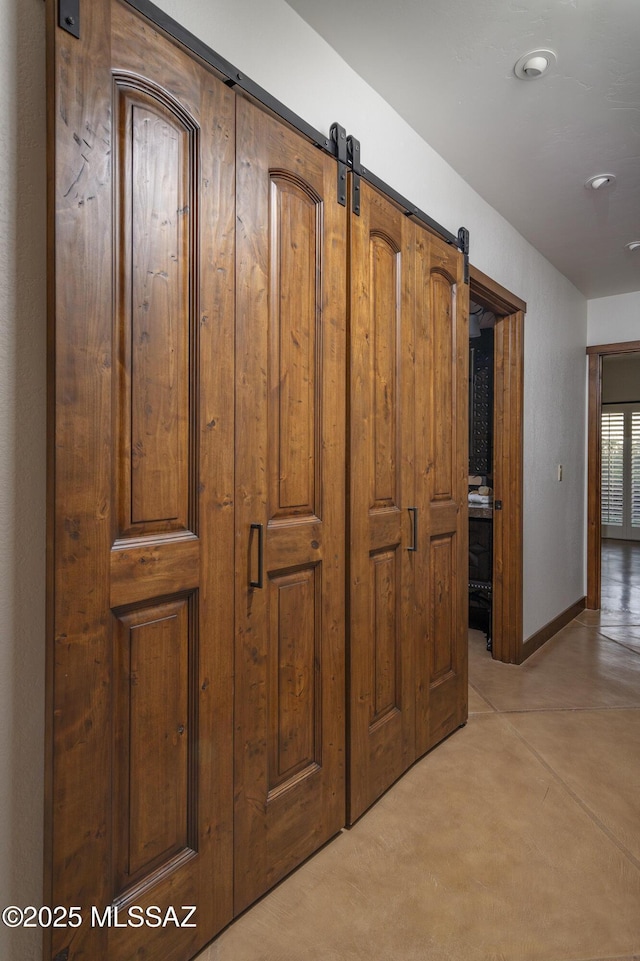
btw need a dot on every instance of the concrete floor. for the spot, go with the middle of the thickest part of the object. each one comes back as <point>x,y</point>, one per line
<point>518,839</point>
<point>620,578</point>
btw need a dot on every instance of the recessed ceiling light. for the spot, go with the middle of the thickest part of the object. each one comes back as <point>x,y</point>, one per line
<point>634,245</point>
<point>534,64</point>
<point>599,181</point>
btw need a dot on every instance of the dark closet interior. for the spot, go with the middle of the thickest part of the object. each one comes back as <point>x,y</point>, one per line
<point>481,506</point>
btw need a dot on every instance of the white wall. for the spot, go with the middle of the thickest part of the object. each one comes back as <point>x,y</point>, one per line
<point>22,462</point>
<point>271,43</point>
<point>614,320</point>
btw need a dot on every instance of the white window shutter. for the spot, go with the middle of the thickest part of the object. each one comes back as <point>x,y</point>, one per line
<point>635,469</point>
<point>612,468</point>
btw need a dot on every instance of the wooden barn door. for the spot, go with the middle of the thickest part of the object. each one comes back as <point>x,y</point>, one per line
<point>408,490</point>
<point>290,496</point>
<point>141,464</point>
<point>441,483</point>
<point>197,501</point>
<point>382,500</point>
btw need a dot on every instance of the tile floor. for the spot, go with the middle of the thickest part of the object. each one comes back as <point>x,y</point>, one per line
<point>518,839</point>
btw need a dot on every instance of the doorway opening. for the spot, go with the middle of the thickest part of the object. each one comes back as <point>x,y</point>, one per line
<point>613,486</point>
<point>482,322</point>
<point>505,518</point>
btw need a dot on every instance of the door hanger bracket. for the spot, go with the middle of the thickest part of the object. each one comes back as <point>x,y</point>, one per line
<point>353,149</point>
<point>69,16</point>
<point>463,243</point>
<point>339,137</point>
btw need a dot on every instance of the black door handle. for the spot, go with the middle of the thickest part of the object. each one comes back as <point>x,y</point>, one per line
<point>260,582</point>
<point>414,512</point>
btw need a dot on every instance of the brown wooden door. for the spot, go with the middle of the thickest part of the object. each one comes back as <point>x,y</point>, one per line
<point>381,492</point>
<point>290,516</point>
<point>141,464</point>
<point>441,480</point>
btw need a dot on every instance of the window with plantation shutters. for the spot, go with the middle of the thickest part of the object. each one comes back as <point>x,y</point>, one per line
<point>621,471</point>
<point>612,467</point>
<point>635,469</point>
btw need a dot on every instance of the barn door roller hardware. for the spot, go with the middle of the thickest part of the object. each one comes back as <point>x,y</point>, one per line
<point>463,244</point>
<point>69,16</point>
<point>353,149</point>
<point>339,137</point>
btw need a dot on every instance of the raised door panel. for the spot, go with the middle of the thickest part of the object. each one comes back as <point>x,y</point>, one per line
<point>294,691</point>
<point>443,432</point>
<point>290,374</point>
<point>381,491</point>
<point>296,216</point>
<point>155,210</point>
<point>142,531</point>
<point>154,662</point>
<point>384,620</point>
<point>441,475</point>
<point>442,596</point>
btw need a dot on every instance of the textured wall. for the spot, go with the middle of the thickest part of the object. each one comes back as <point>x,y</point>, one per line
<point>275,47</point>
<point>22,462</point>
<point>614,320</point>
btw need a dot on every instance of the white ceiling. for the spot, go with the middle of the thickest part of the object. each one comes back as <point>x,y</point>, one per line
<point>526,146</point>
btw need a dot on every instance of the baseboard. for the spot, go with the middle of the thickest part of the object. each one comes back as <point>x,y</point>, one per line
<point>545,633</point>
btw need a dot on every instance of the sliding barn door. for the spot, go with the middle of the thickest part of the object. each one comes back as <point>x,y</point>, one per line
<point>441,479</point>
<point>408,488</point>
<point>290,515</point>
<point>383,521</point>
<point>141,464</point>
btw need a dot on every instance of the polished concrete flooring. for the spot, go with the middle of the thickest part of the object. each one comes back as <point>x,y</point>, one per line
<point>620,577</point>
<point>518,839</point>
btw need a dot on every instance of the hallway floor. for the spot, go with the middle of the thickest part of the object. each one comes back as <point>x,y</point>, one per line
<point>620,577</point>
<point>518,839</point>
